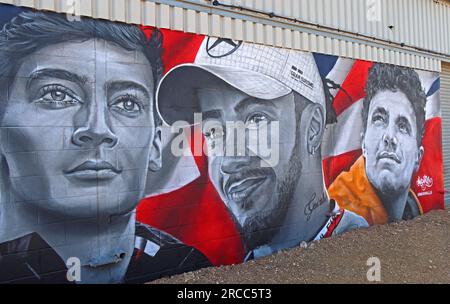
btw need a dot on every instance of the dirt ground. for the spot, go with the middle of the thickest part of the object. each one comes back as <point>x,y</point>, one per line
<point>414,251</point>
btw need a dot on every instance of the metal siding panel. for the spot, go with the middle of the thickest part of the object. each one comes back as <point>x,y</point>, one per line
<point>163,12</point>
<point>297,40</point>
<point>321,48</point>
<point>278,33</point>
<point>178,19</point>
<point>419,37</point>
<point>102,10</point>
<point>428,30</point>
<point>203,25</point>
<point>149,14</point>
<point>134,11</point>
<point>409,23</point>
<point>27,3</point>
<point>227,27</point>
<point>403,21</point>
<point>238,29</point>
<point>259,33</point>
<point>319,12</point>
<point>428,19</point>
<point>427,36</point>
<point>215,25</point>
<point>46,4</point>
<point>435,19</point>
<point>268,35</point>
<point>445,112</point>
<point>249,31</point>
<point>191,21</point>
<point>344,14</point>
<point>295,8</point>
<point>287,38</point>
<point>118,12</point>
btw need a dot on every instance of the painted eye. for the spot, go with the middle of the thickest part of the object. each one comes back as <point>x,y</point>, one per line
<point>57,97</point>
<point>256,119</point>
<point>378,119</point>
<point>404,128</point>
<point>128,104</point>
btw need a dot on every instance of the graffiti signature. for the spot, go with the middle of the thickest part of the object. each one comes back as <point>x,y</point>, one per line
<point>424,182</point>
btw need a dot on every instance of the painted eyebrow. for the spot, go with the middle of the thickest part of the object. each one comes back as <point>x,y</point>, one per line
<point>245,103</point>
<point>127,85</point>
<point>59,74</point>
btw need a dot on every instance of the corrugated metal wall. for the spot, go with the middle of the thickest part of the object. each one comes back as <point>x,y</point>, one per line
<point>445,108</point>
<point>199,16</point>
<point>421,23</point>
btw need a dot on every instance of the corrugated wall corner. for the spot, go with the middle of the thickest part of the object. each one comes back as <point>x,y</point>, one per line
<point>445,108</point>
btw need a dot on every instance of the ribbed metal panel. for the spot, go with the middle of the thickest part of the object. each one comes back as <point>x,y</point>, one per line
<point>343,14</point>
<point>416,22</point>
<point>445,108</point>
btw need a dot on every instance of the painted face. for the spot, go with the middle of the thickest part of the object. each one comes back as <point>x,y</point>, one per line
<point>257,195</point>
<point>80,129</point>
<point>390,142</point>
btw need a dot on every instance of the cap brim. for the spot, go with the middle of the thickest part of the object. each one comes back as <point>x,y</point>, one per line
<point>176,99</point>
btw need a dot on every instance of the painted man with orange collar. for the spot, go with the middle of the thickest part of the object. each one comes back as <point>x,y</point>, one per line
<point>377,186</point>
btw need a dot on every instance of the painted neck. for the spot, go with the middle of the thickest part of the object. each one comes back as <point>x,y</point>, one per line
<point>310,207</point>
<point>394,204</point>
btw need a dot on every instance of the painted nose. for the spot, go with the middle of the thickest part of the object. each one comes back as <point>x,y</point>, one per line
<point>96,133</point>
<point>390,141</point>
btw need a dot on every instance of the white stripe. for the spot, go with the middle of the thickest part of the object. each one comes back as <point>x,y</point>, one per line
<point>340,72</point>
<point>345,135</point>
<point>427,79</point>
<point>433,107</point>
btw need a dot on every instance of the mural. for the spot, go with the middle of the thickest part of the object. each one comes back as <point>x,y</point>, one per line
<point>130,153</point>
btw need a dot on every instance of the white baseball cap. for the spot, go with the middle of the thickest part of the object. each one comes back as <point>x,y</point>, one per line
<point>259,71</point>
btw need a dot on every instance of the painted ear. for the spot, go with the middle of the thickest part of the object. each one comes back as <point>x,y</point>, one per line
<point>315,127</point>
<point>363,145</point>
<point>155,160</point>
<point>419,158</point>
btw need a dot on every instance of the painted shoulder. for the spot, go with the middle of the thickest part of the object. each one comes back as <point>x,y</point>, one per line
<point>350,221</point>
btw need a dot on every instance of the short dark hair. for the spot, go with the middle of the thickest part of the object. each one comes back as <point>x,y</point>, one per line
<point>32,30</point>
<point>390,77</point>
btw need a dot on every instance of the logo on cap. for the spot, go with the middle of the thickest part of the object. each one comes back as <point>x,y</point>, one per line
<point>221,47</point>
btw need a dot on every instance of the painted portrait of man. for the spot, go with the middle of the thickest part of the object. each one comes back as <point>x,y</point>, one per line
<point>276,202</point>
<point>378,185</point>
<point>79,135</point>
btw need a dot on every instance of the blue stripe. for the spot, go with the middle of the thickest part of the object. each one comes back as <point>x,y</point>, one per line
<point>325,63</point>
<point>434,87</point>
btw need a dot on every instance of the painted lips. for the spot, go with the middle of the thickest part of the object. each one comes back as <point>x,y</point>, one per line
<point>239,189</point>
<point>93,169</point>
<point>389,155</point>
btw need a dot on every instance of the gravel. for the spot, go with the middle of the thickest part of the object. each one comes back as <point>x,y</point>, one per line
<point>414,251</point>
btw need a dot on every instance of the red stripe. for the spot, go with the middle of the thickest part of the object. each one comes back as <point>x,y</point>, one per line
<point>354,85</point>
